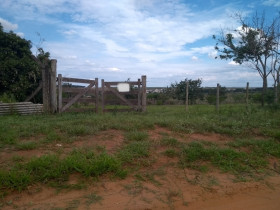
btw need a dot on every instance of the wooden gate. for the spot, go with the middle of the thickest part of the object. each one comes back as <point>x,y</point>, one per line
<point>76,93</point>
<point>129,93</point>
<point>54,88</point>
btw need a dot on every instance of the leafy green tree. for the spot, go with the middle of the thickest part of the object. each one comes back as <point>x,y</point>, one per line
<point>254,43</point>
<point>178,90</point>
<point>19,71</point>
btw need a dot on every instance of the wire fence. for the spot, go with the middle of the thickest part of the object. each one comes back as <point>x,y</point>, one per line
<point>211,95</point>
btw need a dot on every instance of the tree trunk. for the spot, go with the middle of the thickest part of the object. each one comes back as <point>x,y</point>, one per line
<point>264,89</point>
<point>275,93</point>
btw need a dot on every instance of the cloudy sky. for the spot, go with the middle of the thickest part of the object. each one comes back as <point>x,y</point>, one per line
<point>167,40</point>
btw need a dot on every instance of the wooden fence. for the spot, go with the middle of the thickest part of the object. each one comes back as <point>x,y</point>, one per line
<point>59,94</point>
<point>134,96</point>
<point>87,94</point>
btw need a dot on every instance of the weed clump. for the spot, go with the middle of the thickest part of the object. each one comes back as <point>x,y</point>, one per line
<point>52,168</point>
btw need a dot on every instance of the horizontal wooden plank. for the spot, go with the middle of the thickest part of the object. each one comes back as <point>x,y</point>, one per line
<point>116,83</point>
<point>77,80</point>
<point>119,102</point>
<point>77,90</point>
<point>81,100</point>
<point>131,92</point>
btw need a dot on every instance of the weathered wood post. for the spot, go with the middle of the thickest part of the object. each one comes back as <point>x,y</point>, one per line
<point>53,96</point>
<point>187,96</point>
<point>247,94</point>
<point>45,86</point>
<point>96,95</point>
<point>218,98</point>
<point>49,86</point>
<point>59,83</point>
<point>139,95</point>
<point>144,93</point>
<point>102,95</point>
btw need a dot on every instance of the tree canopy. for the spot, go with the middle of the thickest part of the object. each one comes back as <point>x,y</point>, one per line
<point>255,43</point>
<point>19,72</point>
<point>178,90</point>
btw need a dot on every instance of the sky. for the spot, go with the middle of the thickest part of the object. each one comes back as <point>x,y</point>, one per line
<point>116,40</point>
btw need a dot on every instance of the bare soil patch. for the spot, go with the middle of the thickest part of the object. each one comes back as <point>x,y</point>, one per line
<point>162,184</point>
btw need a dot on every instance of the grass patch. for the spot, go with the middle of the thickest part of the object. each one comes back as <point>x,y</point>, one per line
<point>261,147</point>
<point>169,141</point>
<point>226,159</point>
<point>27,145</point>
<point>171,153</point>
<point>134,152</point>
<point>136,136</point>
<point>53,169</point>
<point>238,121</point>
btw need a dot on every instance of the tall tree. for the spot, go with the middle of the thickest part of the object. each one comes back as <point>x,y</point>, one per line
<point>19,71</point>
<point>254,43</point>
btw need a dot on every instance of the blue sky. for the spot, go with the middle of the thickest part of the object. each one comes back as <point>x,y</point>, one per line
<point>167,40</point>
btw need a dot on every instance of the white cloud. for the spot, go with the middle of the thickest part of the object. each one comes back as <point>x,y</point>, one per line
<point>114,69</point>
<point>20,34</point>
<point>233,63</point>
<point>275,3</point>
<point>194,58</point>
<point>213,54</point>
<point>8,26</point>
<point>129,38</point>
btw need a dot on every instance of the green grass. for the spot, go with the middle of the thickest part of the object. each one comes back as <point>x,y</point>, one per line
<point>136,136</point>
<point>27,145</point>
<point>52,168</point>
<point>268,147</point>
<point>239,122</point>
<point>170,153</point>
<point>232,120</point>
<point>134,152</point>
<point>194,155</point>
<point>169,141</point>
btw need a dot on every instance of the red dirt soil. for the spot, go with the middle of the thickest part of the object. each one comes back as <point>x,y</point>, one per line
<point>160,185</point>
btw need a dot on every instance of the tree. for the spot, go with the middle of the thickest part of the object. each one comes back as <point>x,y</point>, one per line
<point>275,72</point>
<point>19,71</point>
<point>254,43</point>
<point>211,95</point>
<point>178,90</point>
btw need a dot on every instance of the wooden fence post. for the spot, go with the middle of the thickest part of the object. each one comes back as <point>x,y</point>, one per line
<point>218,98</point>
<point>247,94</point>
<point>144,93</point>
<point>96,95</point>
<point>45,86</point>
<point>53,96</point>
<point>187,95</point>
<point>49,86</point>
<point>59,81</point>
<point>139,95</point>
<point>102,94</point>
